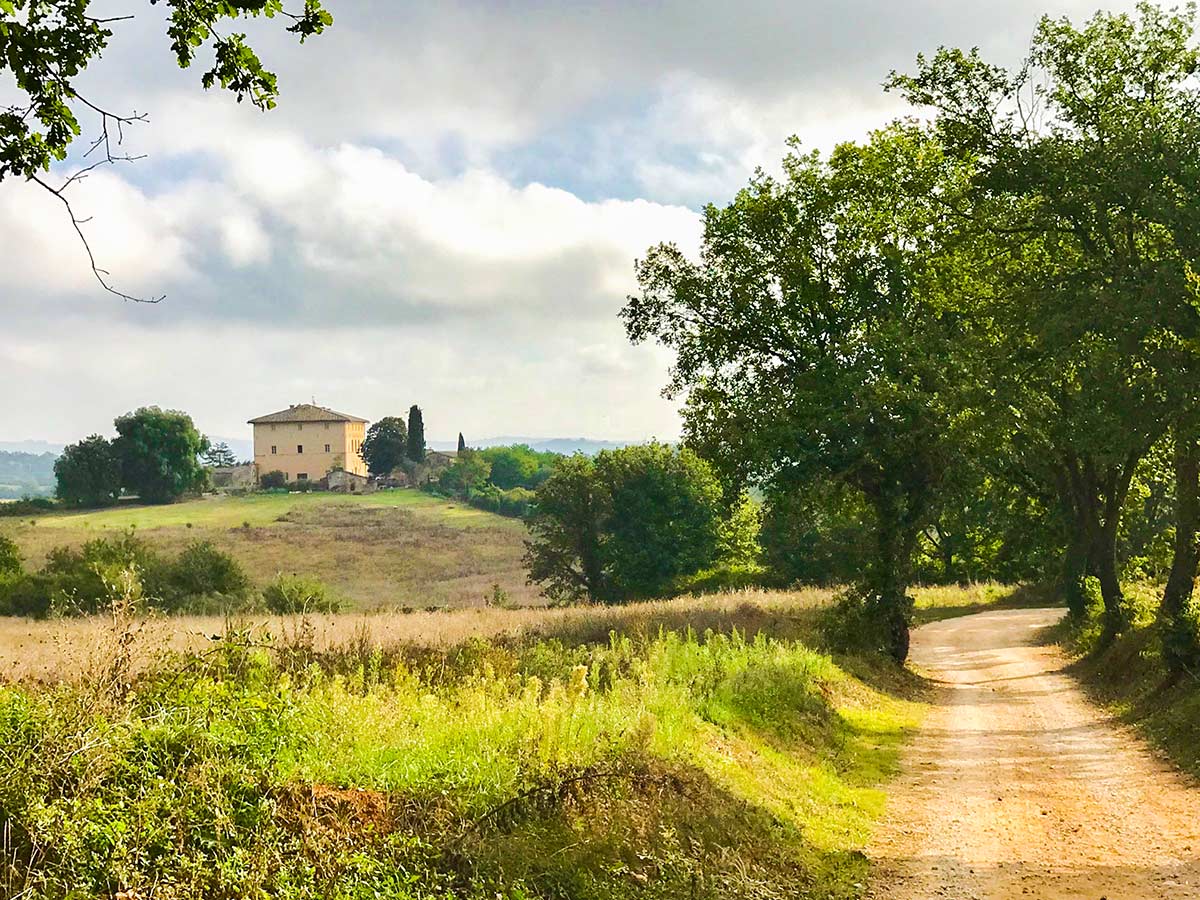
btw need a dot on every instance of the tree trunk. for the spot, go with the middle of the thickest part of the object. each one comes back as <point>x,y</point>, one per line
<point>1097,497</point>
<point>895,542</point>
<point>1074,568</point>
<point>1105,565</point>
<point>1177,632</point>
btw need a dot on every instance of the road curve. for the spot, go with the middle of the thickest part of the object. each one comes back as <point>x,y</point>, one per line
<point>1017,786</point>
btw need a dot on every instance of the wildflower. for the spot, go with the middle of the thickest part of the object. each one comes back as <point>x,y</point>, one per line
<point>577,683</point>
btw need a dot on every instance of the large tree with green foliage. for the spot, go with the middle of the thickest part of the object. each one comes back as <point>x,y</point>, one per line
<point>159,452</point>
<point>625,525</point>
<point>47,45</point>
<point>385,445</point>
<point>1086,178</point>
<point>810,341</point>
<point>88,473</point>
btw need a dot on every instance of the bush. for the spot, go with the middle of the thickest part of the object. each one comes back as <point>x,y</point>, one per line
<point>202,571</point>
<point>26,595</point>
<point>303,487</point>
<point>26,506</point>
<point>298,594</point>
<point>76,581</point>
<point>10,558</point>
<point>855,623</point>
<point>516,503</point>
<point>79,581</point>
<point>273,480</point>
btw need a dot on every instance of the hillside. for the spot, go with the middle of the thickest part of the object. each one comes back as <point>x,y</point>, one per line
<point>388,550</point>
<point>26,474</point>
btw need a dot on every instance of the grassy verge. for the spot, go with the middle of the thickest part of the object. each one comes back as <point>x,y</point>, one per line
<point>1128,677</point>
<point>653,763</point>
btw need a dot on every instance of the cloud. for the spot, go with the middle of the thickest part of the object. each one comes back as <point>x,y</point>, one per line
<point>445,207</point>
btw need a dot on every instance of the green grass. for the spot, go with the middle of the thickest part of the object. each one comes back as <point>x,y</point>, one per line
<point>1129,678</point>
<point>672,765</point>
<point>937,602</point>
<point>261,510</point>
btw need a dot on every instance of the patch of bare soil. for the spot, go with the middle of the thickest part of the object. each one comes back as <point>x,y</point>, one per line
<point>1017,786</point>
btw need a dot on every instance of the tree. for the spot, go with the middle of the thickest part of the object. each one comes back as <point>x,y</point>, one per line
<point>663,518</point>
<point>811,342</point>
<point>470,472</point>
<point>563,552</point>
<point>519,466</point>
<point>416,435</point>
<point>462,444</point>
<point>385,445</point>
<point>625,525</point>
<point>88,473</point>
<point>159,452</point>
<point>46,46</point>
<point>1085,182</point>
<point>220,456</point>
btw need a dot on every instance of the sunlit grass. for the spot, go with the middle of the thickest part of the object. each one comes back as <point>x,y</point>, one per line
<point>710,764</point>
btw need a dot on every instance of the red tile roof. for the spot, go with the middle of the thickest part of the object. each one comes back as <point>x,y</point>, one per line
<point>305,412</point>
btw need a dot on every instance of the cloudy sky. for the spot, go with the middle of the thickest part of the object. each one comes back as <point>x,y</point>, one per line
<point>444,208</point>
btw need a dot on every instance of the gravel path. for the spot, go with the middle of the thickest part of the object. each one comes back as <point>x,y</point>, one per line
<point>1018,787</point>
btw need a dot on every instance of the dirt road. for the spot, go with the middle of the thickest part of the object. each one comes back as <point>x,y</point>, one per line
<point>1018,787</point>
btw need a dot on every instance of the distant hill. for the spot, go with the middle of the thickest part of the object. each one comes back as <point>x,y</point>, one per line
<point>26,474</point>
<point>566,446</point>
<point>37,448</point>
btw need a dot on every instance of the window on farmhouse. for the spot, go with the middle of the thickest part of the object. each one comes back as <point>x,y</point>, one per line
<point>273,448</point>
<point>302,476</point>
<point>326,448</point>
<point>299,448</point>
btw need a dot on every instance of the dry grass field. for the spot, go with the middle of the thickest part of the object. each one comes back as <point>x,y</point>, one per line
<point>74,649</point>
<point>389,550</point>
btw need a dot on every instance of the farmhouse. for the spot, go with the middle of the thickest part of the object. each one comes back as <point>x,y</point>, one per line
<point>306,442</point>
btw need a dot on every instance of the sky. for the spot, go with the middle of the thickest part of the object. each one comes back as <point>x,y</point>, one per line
<point>444,208</point>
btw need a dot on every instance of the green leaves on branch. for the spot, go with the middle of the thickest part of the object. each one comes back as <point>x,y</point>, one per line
<point>46,44</point>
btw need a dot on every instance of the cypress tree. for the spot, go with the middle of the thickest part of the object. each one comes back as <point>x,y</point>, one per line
<point>462,444</point>
<point>416,435</point>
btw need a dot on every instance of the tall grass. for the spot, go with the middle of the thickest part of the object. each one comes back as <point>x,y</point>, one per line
<point>666,764</point>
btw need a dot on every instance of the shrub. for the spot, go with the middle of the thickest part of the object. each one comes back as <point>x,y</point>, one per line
<point>75,580</point>
<point>273,480</point>
<point>80,581</point>
<point>517,502</point>
<point>10,558</point>
<point>203,571</point>
<point>298,594</point>
<point>855,623</point>
<point>26,595</point>
<point>26,506</point>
